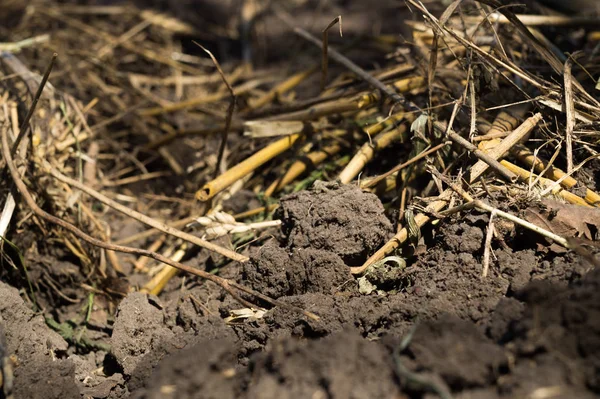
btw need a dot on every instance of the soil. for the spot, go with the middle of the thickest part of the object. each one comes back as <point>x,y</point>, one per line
<point>503,336</point>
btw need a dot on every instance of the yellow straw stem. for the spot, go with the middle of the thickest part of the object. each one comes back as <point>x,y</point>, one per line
<point>160,280</point>
<point>408,84</point>
<point>281,88</point>
<point>312,159</point>
<point>525,175</point>
<point>245,167</point>
<point>368,150</point>
<point>501,149</point>
<point>525,156</point>
<point>421,219</point>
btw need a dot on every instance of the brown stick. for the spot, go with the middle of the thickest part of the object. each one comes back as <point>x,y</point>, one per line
<point>325,46</point>
<point>505,145</point>
<point>373,182</point>
<point>230,110</point>
<point>226,284</point>
<point>25,125</point>
<point>441,127</point>
<point>344,61</point>
<point>143,218</point>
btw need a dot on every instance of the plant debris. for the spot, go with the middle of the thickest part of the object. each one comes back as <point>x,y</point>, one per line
<point>186,188</point>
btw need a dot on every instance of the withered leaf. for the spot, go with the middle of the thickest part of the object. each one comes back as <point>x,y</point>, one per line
<point>566,220</point>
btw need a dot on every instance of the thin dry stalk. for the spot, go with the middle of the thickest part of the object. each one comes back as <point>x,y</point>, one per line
<point>285,86</point>
<point>368,150</point>
<point>569,109</point>
<point>141,262</point>
<point>524,155</point>
<point>525,175</point>
<point>575,169</point>
<point>488,208</point>
<point>25,124</point>
<point>325,46</point>
<point>376,180</point>
<point>226,284</point>
<point>516,136</point>
<point>230,110</point>
<point>151,232</point>
<point>344,61</point>
<point>360,101</point>
<point>488,245</point>
<point>356,103</point>
<point>492,163</point>
<point>143,218</point>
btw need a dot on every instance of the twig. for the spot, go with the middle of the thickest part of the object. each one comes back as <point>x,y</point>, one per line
<point>230,110</point>
<point>226,284</point>
<point>505,145</point>
<point>373,182</point>
<point>160,279</point>
<point>25,125</point>
<point>325,45</point>
<point>143,218</point>
<point>487,246</point>
<point>485,207</point>
<point>150,232</point>
<point>343,60</point>
<point>479,154</point>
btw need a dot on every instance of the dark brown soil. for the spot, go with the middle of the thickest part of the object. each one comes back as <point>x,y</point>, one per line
<point>36,351</point>
<point>550,343</point>
<point>340,219</point>
<point>502,336</point>
<point>470,336</point>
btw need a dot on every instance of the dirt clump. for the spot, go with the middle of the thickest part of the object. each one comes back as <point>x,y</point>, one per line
<point>558,337</point>
<point>333,217</point>
<point>207,370</point>
<point>458,352</point>
<point>139,333</point>
<point>145,331</point>
<point>340,366</point>
<point>280,272</point>
<point>35,351</point>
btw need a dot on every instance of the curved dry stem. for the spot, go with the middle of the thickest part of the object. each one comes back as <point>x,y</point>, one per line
<point>143,218</point>
<point>226,284</point>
